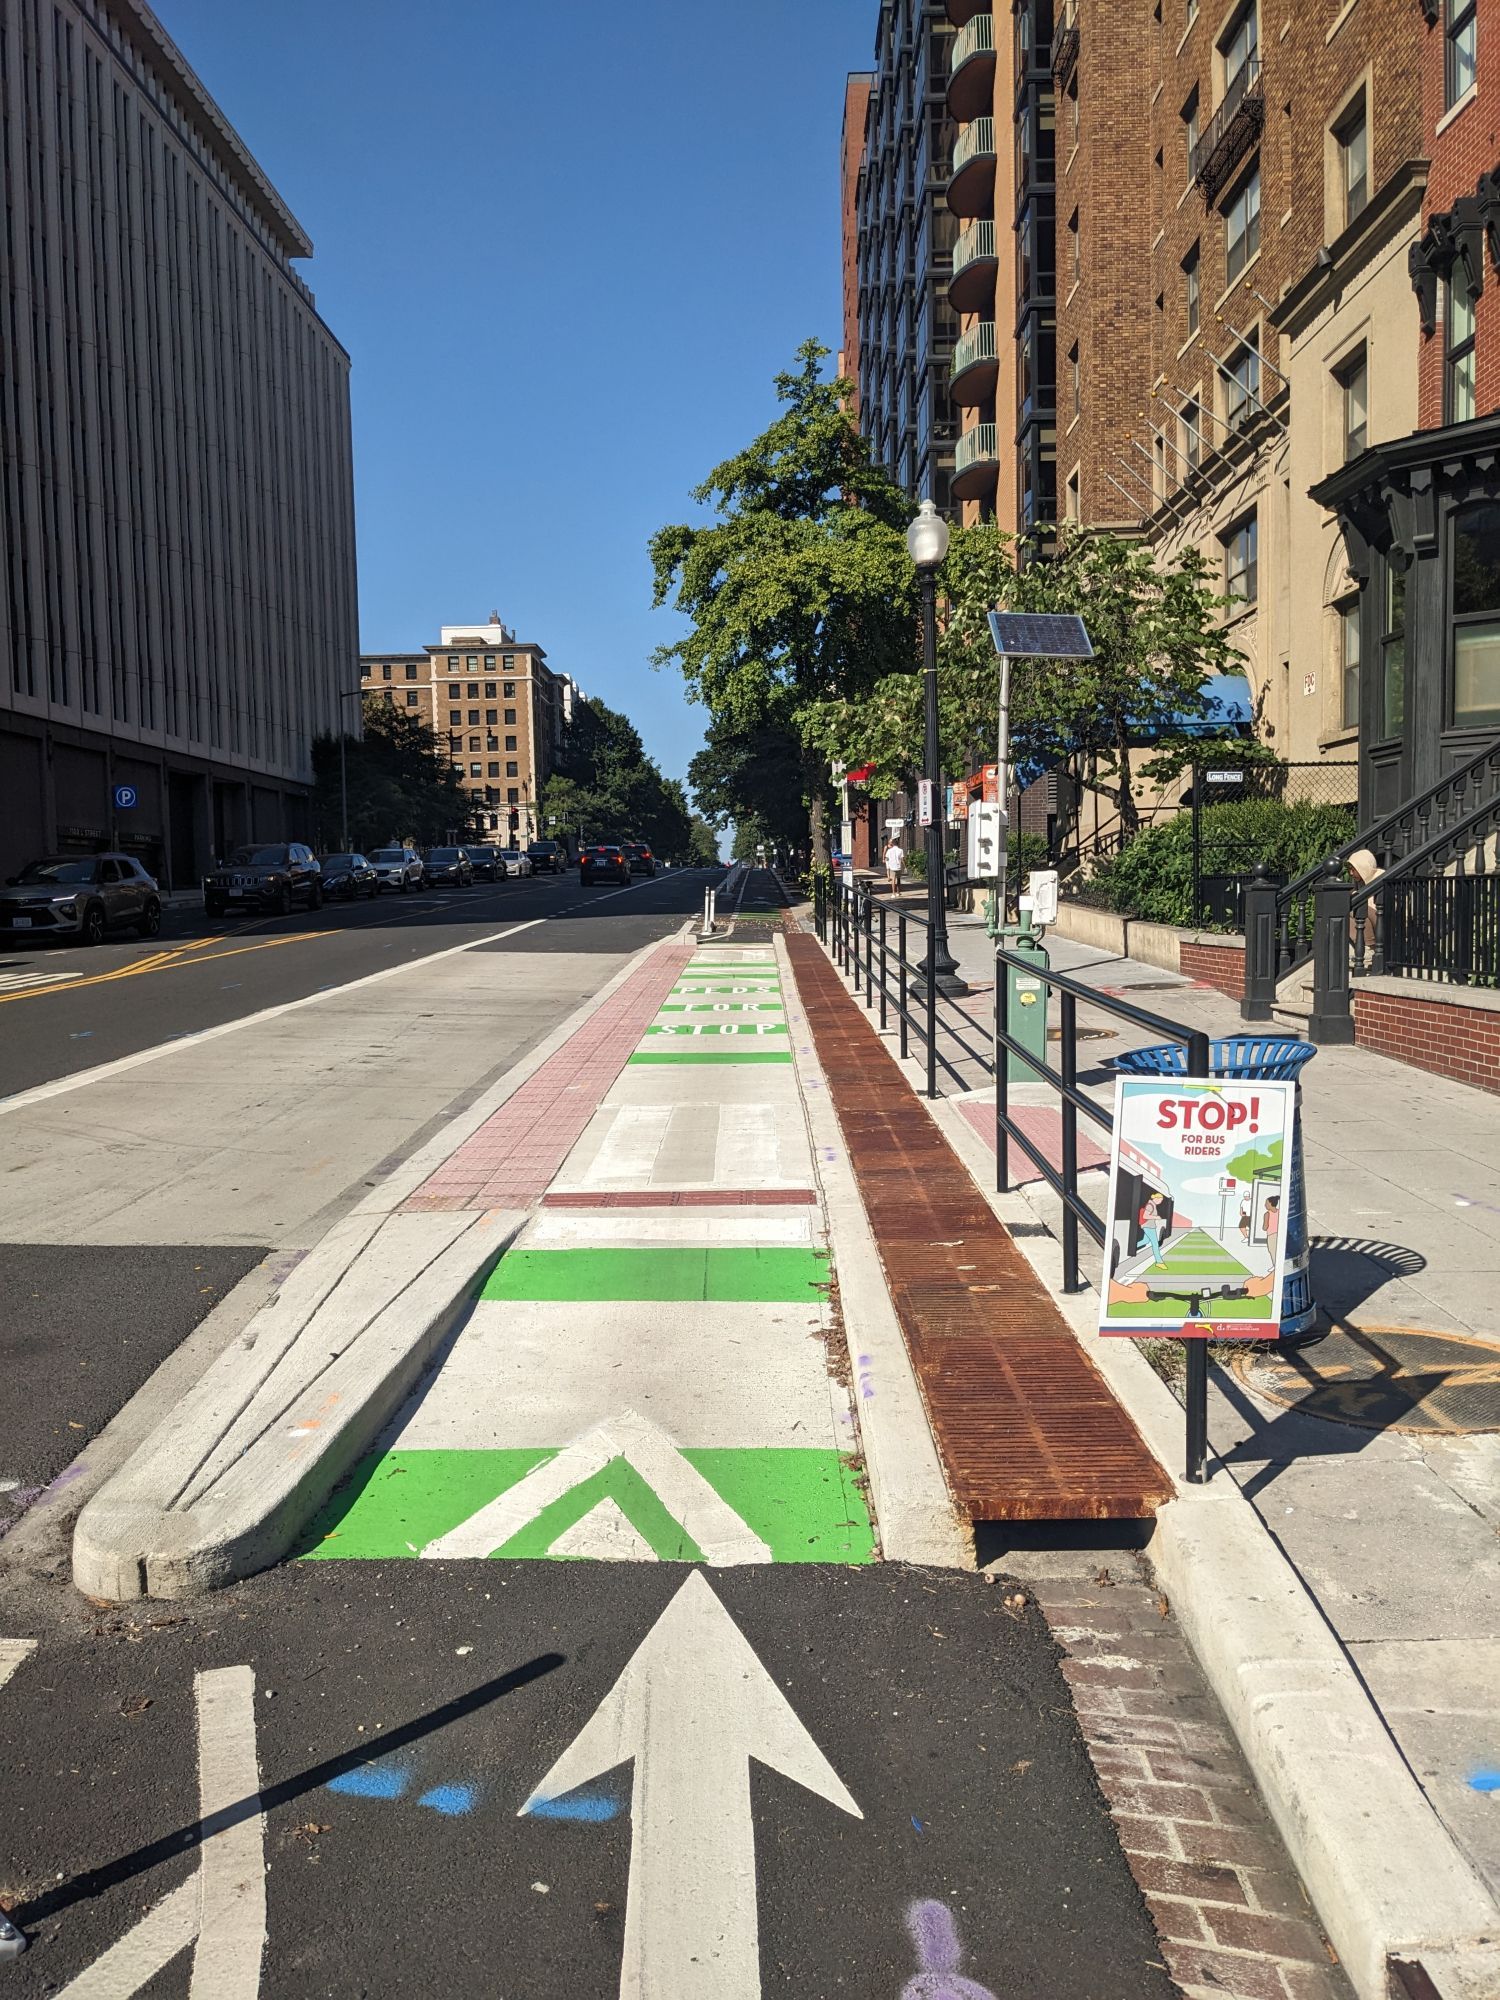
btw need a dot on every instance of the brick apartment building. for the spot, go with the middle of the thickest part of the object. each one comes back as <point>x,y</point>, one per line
<point>496,708</point>
<point>851,158</point>
<point>1420,512</point>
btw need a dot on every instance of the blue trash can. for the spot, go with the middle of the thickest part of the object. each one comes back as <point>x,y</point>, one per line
<point>1256,1059</point>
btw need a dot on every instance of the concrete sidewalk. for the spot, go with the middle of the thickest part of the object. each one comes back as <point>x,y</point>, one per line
<point>1390,1510</point>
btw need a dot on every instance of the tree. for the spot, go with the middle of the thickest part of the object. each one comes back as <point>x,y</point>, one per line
<point>801,591</point>
<point>401,786</point>
<point>605,784</point>
<point>1157,637</point>
<point>703,843</point>
<point>752,774</point>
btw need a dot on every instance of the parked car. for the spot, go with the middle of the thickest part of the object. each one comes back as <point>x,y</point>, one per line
<point>80,896</point>
<point>269,876</point>
<point>642,860</point>
<point>349,875</point>
<point>398,868</point>
<point>516,863</point>
<point>487,864</point>
<point>547,857</point>
<point>450,864</point>
<point>604,862</point>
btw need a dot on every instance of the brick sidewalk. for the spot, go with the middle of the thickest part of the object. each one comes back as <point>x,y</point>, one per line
<point>515,1155</point>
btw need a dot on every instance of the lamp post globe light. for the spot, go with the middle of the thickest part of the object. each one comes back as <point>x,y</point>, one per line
<point>927,543</point>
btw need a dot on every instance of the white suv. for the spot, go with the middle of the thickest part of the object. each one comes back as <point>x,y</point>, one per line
<point>397,868</point>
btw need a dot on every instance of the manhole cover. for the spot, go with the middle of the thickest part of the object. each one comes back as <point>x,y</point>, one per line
<point>1384,1378</point>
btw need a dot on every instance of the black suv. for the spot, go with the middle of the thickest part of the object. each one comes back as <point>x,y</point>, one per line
<point>270,877</point>
<point>547,857</point>
<point>605,859</point>
<point>642,860</point>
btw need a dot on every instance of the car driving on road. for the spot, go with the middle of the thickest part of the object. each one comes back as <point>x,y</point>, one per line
<point>450,864</point>
<point>546,857</point>
<point>349,875</point>
<point>487,864</point>
<point>516,863</point>
<point>80,896</point>
<point>642,860</point>
<point>270,876</point>
<point>398,868</point>
<point>603,862</point>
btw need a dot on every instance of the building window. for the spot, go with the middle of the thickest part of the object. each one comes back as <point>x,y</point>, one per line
<point>455,717</point>
<point>1462,18</point>
<point>1476,616</point>
<point>489,690</point>
<point>1354,397</point>
<point>385,673</point>
<point>1393,653</point>
<point>510,742</point>
<point>511,795</point>
<point>473,742</point>
<point>1075,256</point>
<point>411,700</point>
<point>411,672</point>
<point>1075,381</point>
<point>510,688</point>
<point>1458,341</point>
<point>476,771</point>
<point>1241,559</point>
<point>453,663</point>
<point>491,716</point>
<point>455,689</point>
<point>471,661</point>
<point>1073,503</point>
<point>1191,287</point>
<point>512,770</point>
<point>473,717</point>
<point>508,662</point>
<point>492,742</point>
<point>1192,433</point>
<point>1240,50</point>
<point>1242,225</point>
<point>494,769</point>
<point>510,713</point>
<point>1241,385</point>
<point>1349,664</point>
<point>1191,124</point>
<point>473,688</point>
<point>1352,136</point>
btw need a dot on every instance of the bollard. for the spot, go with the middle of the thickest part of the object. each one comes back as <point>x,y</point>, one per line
<point>1260,947</point>
<point>1332,1020</point>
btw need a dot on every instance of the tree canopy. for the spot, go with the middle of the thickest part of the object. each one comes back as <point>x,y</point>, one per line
<point>799,591</point>
<point>401,786</point>
<point>604,785</point>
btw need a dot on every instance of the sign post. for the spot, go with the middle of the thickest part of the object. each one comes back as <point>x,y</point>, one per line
<point>924,802</point>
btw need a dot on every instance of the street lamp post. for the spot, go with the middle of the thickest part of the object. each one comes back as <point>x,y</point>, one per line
<point>927,540</point>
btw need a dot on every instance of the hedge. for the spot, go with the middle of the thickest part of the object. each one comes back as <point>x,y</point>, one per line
<point>1153,877</point>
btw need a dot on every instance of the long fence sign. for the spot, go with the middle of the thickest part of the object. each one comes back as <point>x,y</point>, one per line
<point>1200,1186</point>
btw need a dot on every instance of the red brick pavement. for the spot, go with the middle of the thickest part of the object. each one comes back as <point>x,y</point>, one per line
<point>514,1155</point>
<point>1231,1914</point>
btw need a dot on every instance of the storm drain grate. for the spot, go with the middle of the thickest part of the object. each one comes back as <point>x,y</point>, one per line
<point>1384,1378</point>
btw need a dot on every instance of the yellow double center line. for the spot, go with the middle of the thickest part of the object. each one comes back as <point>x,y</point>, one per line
<point>185,955</point>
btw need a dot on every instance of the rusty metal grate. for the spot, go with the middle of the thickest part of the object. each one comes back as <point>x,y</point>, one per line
<point>1026,1426</point>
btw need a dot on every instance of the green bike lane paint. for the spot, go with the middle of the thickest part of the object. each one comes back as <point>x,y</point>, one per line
<point>642,1385</point>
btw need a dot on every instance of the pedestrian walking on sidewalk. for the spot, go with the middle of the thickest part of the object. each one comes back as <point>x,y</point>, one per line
<point>895,860</point>
<point>1365,871</point>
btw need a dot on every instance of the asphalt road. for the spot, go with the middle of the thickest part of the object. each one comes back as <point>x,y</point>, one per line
<point>404,1713</point>
<point>64,1009</point>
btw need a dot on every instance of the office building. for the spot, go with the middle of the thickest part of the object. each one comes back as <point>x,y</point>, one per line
<point>177,569</point>
<point>496,709</point>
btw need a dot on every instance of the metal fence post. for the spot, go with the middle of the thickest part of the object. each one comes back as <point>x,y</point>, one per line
<point>1068,1052</point>
<point>1002,1076</point>
<point>869,949</point>
<point>903,998</point>
<point>1332,1019</point>
<point>1260,946</point>
<point>1195,1389</point>
<point>932,979</point>
<point>882,968</point>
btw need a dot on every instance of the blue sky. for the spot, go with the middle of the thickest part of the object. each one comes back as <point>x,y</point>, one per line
<point>567,248</point>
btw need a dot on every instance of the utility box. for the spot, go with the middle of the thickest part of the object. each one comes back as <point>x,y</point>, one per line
<point>1026,1007</point>
<point>1041,888</point>
<point>983,856</point>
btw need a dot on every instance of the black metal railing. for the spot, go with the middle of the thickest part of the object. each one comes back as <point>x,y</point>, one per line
<point>1439,927</point>
<point>871,940</point>
<point>1064,53</point>
<point>1231,132</point>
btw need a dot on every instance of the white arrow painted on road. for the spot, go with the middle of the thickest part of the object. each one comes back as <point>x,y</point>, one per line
<point>692,1708</point>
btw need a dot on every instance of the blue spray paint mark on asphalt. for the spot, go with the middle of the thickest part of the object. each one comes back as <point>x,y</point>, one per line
<point>82,1035</point>
<point>934,1936</point>
<point>1484,1781</point>
<point>452,1801</point>
<point>593,1807</point>
<point>370,1781</point>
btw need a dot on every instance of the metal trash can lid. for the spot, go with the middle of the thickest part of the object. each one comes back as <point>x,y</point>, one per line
<point>1246,1058</point>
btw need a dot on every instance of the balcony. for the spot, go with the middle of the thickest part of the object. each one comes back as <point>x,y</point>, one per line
<point>971,73</point>
<point>1232,131</point>
<point>1064,53</point>
<point>976,267</point>
<point>962,12</point>
<point>975,366</point>
<point>976,461</point>
<point>971,190</point>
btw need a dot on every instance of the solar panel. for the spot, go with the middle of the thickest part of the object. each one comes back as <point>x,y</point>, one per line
<point>1041,635</point>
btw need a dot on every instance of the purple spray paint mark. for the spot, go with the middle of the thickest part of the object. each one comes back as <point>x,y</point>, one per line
<point>934,1936</point>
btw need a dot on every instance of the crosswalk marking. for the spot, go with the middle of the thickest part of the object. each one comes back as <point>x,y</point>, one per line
<point>17,982</point>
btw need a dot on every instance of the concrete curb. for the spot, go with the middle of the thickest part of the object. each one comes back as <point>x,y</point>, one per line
<point>917,1519</point>
<point>1384,1873</point>
<point>227,1482</point>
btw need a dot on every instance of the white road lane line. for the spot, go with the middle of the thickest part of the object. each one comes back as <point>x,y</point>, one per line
<point>222,1904</point>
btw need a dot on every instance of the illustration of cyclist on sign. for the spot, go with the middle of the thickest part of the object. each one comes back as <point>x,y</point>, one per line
<point>1199,1181</point>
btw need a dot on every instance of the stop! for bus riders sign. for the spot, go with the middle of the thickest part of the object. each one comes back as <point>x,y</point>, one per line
<point>1199,1188</point>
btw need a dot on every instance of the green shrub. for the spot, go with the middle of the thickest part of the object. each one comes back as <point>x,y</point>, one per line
<point>1153,877</point>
